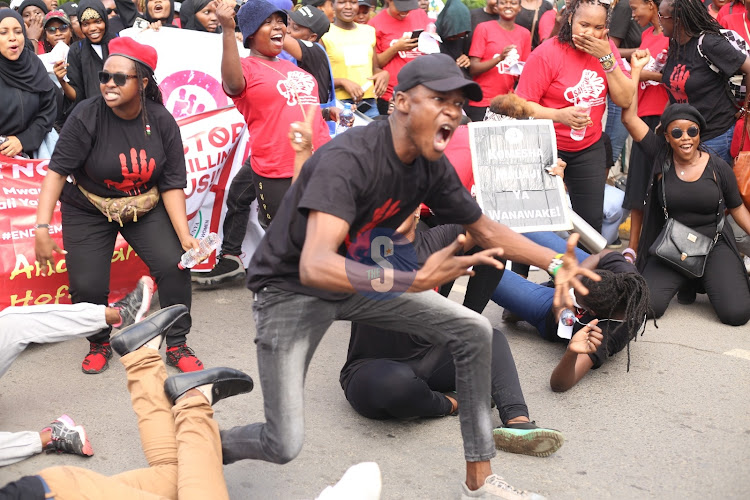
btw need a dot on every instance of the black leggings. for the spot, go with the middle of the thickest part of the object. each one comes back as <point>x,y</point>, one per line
<point>724,280</point>
<point>383,388</point>
<point>270,192</point>
<point>241,195</point>
<point>90,241</point>
<point>585,177</point>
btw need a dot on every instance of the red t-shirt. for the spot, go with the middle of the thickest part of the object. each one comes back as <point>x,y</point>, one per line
<point>387,31</point>
<point>490,39</point>
<point>458,153</point>
<point>652,99</point>
<point>273,98</point>
<point>547,24</point>
<point>556,76</point>
<point>737,23</point>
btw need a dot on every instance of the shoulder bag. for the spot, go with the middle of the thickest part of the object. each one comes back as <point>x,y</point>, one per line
<point>681,247</point>
<point>742,163</point>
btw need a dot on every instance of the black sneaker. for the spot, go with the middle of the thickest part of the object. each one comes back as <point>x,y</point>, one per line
<point>229,268</point>
<point>615,244</point>
<point>134,306</point>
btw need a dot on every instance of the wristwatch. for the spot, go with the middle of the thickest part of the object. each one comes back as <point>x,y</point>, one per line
<point>608,62</point>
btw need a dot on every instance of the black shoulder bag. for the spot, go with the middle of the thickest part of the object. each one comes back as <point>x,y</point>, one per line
<point>681,247</point>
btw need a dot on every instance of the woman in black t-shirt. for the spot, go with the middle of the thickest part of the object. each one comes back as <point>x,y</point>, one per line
<point>690,79</point>
<point>122,143</point>
<point>695,181</point>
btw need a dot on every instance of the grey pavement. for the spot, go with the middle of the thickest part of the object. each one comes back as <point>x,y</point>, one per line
<point>676,426</point>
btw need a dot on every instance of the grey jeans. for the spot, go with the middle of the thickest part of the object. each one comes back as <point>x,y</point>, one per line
<point>289,328</point>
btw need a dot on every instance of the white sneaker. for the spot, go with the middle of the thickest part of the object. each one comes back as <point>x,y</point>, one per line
<point>496,487</point>
<point>359,482</point>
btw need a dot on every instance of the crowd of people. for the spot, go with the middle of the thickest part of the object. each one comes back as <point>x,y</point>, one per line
<point>663,72</point>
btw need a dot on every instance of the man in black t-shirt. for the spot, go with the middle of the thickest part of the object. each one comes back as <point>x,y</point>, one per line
<point>311,268</point>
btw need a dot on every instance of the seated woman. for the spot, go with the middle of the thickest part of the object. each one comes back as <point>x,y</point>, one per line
<point>28,105</point>
<point>696,181</point>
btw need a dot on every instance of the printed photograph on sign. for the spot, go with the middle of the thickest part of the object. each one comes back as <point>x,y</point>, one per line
<point>510,160</point>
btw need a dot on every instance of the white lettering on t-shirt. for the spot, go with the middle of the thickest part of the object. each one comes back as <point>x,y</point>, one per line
<point>298,88</point>
<point>589,87</point>
<point>406,54</point>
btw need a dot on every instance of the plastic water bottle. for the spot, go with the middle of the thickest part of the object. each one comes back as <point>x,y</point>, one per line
<point>583,107</point>
<point>567,318</point>
<point>192,257</point>
<point>661,60</point>
<point>346,119</point>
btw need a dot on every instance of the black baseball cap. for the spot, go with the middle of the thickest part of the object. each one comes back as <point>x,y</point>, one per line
<point>437,72</point>
<point>406,5</point>
<point>311,17</point>
<point>370,3</point>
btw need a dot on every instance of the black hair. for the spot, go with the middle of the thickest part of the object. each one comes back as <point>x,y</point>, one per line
<point>151,92</point>
<point>566,30</point>
<point>619,294</point>
<point>4,5</point>
<point>692,18</point>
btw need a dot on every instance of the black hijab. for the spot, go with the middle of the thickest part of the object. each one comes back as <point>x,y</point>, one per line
<point>27,72</point>
<point>169,21</point>
<point>187,15</point>
<point>90,64</point>
<point>102,11</point>
<point>33,3</point>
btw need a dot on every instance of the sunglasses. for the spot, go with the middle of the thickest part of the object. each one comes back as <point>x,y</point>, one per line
<point>664,17</point>
<point>63,28</point>
<point>120,78</point>
<point>692,131</point>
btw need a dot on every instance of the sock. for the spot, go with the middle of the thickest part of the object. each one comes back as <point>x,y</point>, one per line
<point>206,391</point>
<point>155,342</point>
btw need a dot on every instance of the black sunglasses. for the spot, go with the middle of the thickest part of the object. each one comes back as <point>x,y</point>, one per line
<point>692,131</point>
<point>120,78</point>
<point>63,28</point>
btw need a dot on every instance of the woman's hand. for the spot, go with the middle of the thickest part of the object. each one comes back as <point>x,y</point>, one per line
<point>573,118</point>
<point>506,51</point>
<point>44,247</point>
<point>225,14</point>
<point>154,26</point>
<point>35,28</point>
<point>640,59</point>
<point>380,81</point>
<point>11,147</point>
<point>463,61</point>
<point>597,47</point>
<point>558,169</point>
<point>405,43</point>
<point>61,70</point>
<point>586,340</point>
<point>189,243</point>
<point>352,88</point>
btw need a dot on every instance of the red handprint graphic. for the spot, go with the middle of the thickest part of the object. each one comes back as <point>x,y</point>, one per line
<point>387,210</point>
<point>134,178</point>
<point>677,81</point>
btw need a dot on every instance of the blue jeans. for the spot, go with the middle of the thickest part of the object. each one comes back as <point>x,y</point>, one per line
<point>720,145</point>
<point>551,240</point>
<point>291,325</point>
<point>616,131</point>
<point>528,300</point>
<point>613,214</point>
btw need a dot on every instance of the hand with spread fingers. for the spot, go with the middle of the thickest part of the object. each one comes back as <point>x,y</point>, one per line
<point>586,340</point>
<point>566,276</point>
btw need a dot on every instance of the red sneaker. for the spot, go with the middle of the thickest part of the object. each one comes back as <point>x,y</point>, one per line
<point>97,360</point>
<point>183,358</point>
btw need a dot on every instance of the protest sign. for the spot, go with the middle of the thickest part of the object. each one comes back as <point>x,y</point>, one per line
<point>509,159</point>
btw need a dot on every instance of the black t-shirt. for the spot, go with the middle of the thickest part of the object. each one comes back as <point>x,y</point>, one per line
<point>616,263</point>
<point>112,157</point>
<point>622,26</point>
<point>525,18</point>
<point>693,203</point>
<point>358,178</point>
<point>690,79</point>
<point>370,342</point>
<point>315,61</point>
<point>479,16</point>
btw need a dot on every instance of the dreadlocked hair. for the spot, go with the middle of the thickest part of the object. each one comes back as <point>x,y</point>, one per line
<point>619,294</point>
<point>151,92</point>
<point>566,30</point>
<point>690,17</point>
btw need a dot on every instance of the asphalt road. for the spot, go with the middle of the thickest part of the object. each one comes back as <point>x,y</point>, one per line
<point>676,426</point>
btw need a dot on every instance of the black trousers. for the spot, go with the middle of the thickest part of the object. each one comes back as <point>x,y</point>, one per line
<point>270,193</point>
<point>585,177</point>
<point>724,280</point>
<point>476,113</point>
<point>90,241</point>
<point>382,388</point>
<point>241,195</point>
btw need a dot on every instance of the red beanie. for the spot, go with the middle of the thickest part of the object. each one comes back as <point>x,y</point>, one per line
<point>127,47</point>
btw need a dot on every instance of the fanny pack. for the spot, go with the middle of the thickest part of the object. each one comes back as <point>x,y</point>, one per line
<point>126,208</point>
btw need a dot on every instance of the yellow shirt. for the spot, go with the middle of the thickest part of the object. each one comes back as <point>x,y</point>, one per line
<point>351,53</point>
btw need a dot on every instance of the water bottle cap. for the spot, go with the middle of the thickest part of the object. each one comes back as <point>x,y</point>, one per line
<point>347,105</point>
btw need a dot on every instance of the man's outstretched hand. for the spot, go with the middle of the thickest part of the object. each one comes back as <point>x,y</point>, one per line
<point>567,276</point>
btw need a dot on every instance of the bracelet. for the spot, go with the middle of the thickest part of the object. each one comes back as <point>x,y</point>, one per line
<point>555,264</point>
<point>41,226</point>
<point>629,252</point>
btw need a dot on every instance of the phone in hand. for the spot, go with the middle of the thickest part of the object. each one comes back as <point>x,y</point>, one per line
<point>415,34</point>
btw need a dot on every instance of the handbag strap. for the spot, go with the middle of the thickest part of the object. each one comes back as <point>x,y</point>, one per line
<point>719,213</point>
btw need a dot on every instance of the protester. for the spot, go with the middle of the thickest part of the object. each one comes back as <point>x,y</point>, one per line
<point>326,6</point>
<point>179,437</point>
<point>351,48</point>
<point>730,8</point>
<point>652,99</point>
<point>688,77</point>
<point>156,11</point>
<point>529,15</point>
<point>497,45</point>
<point>200,15</point>
<point>56,29</point>
<point>61,436</point>
<point>453,25</point>
<point>33,12</point>
<point>736,21</point>
<point>27,96</point>
<point>71,10</point>
<point>577,68</point>
<point>123,145</point>
<point>299,277</point>
<point>395,46</point>
<point>364,11</point>
<point>690,184</point>
<point>483,14</point>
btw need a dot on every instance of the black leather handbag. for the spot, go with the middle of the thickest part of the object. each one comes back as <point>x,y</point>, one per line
<point>681,247</point>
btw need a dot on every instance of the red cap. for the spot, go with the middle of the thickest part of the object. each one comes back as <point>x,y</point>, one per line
<point>127,47</point>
